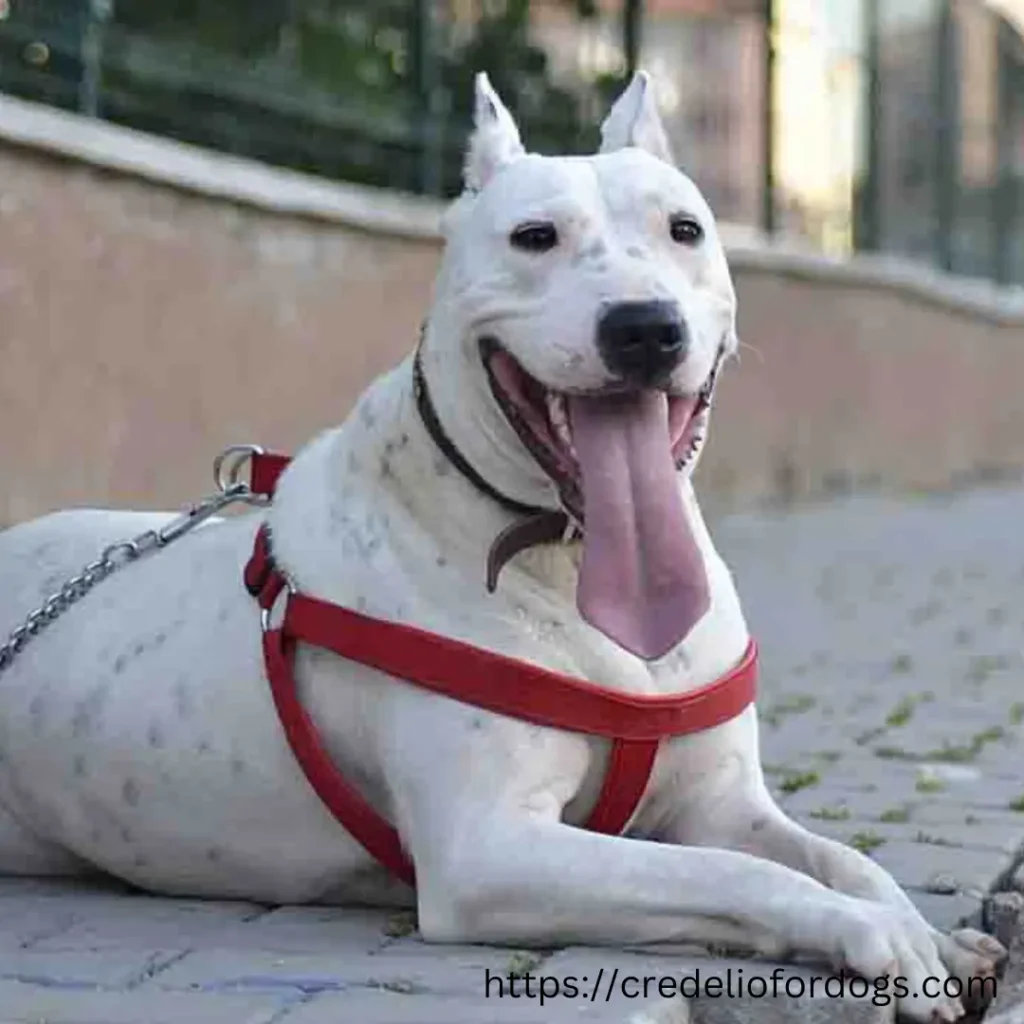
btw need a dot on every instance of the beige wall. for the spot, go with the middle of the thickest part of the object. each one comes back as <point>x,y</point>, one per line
<point>144,326</point>
<point>854,382</point>
<point>142,329</point>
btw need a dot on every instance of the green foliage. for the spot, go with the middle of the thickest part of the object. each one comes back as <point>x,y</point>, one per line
<point>239,27</point>
<point>357,89</point>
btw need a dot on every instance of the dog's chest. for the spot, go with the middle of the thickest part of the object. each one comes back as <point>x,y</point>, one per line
<point>357,545</point>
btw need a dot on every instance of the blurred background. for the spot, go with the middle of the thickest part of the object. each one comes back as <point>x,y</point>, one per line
<point>218,221</point>
<point>880,125</point>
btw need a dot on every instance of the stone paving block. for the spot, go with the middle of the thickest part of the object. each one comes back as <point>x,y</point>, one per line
<point>876,785</point>
<point>917,865</point>
<point>608,977</point>
<point>382,1007</point>
<point>463,967</point>
<point>950,737</point>
<point>33,1004</point>
<point>333,930</point>
<point>786,1010</point>
<point>947,911</point>
<point>141,921</point>
<point>780,1010</point>
<point>106,968</point>
<point>448,970</point>
<point>33,910</point>
<point>585,962</point>
<point>970,836</point>
<point>958,819</point>
<point>233,969</point>
<point>930,814</point>
<point>25,921</point>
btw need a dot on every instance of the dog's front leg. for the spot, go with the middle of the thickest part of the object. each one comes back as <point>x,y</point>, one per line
<point>529,879</point>
<point>749,820</point>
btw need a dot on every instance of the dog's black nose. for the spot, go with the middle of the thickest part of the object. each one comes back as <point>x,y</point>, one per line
<point>642,342</point>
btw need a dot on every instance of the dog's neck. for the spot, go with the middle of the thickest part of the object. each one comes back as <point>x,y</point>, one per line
<point>439,435</point>
<point>381,474</point>
<point>390,445</point>
<point>460,393</point>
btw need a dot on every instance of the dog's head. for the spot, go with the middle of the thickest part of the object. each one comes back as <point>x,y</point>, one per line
<point>591,305</point>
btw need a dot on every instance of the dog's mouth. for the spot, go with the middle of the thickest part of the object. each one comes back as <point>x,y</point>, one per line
<point>614,456</point>
<point>541,418</point>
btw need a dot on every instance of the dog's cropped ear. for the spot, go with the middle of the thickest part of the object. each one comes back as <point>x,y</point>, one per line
<point>495,139</point>
<point>634,121</point>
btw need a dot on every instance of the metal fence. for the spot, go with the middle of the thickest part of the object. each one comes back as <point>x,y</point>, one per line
<point>893,126</point>
<point>944,99</point>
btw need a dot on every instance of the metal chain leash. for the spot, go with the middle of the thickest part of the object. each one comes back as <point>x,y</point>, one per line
<point>230,490</point>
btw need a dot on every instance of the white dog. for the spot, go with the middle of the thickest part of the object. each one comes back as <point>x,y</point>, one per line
<point>582,310</point>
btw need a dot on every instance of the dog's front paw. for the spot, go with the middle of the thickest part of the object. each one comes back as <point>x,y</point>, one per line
<point>876,940</point>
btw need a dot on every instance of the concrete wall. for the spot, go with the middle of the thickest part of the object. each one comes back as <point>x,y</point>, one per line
<point>158,302</point>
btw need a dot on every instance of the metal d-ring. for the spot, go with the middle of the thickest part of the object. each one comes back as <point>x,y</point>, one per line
<point>239,454</point>
<point>287,588</point>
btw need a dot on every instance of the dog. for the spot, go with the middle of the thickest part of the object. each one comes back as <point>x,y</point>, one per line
<point>582,310</point>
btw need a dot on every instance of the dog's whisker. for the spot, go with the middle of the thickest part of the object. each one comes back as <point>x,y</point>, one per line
<point>744,345</point>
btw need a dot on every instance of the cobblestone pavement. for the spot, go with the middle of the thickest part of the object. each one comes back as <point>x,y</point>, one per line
<point>893,699</point>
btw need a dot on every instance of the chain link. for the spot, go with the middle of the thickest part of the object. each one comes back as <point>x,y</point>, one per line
<point>230,490</point>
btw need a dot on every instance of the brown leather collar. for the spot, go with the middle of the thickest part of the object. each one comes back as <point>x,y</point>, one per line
<point>536,525</point>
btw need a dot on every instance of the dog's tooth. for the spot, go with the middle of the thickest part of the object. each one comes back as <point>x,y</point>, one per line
<point>554,407</point>
<point>559,416</point>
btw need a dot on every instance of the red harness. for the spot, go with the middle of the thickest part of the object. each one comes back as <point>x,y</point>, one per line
<point>635,724</point>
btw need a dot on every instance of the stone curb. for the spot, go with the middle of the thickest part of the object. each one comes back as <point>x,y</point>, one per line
<point>402,215</point>
<point>1006,915</point>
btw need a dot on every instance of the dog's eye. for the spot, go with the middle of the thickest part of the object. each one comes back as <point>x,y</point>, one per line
<point>685,230</point>
<point>536,236</point>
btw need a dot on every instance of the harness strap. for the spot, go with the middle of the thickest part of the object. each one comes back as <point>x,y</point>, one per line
<point>630,763</point>
<point>473,675</point>
<point>507,686</point>
<point>258,568</point>
<point>264,470</point>
<point>345,803</point>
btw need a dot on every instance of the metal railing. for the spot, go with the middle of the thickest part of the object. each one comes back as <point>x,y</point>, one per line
<point>944,110</point>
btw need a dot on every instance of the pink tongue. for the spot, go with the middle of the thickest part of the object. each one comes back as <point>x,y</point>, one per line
<point>642,581</point>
